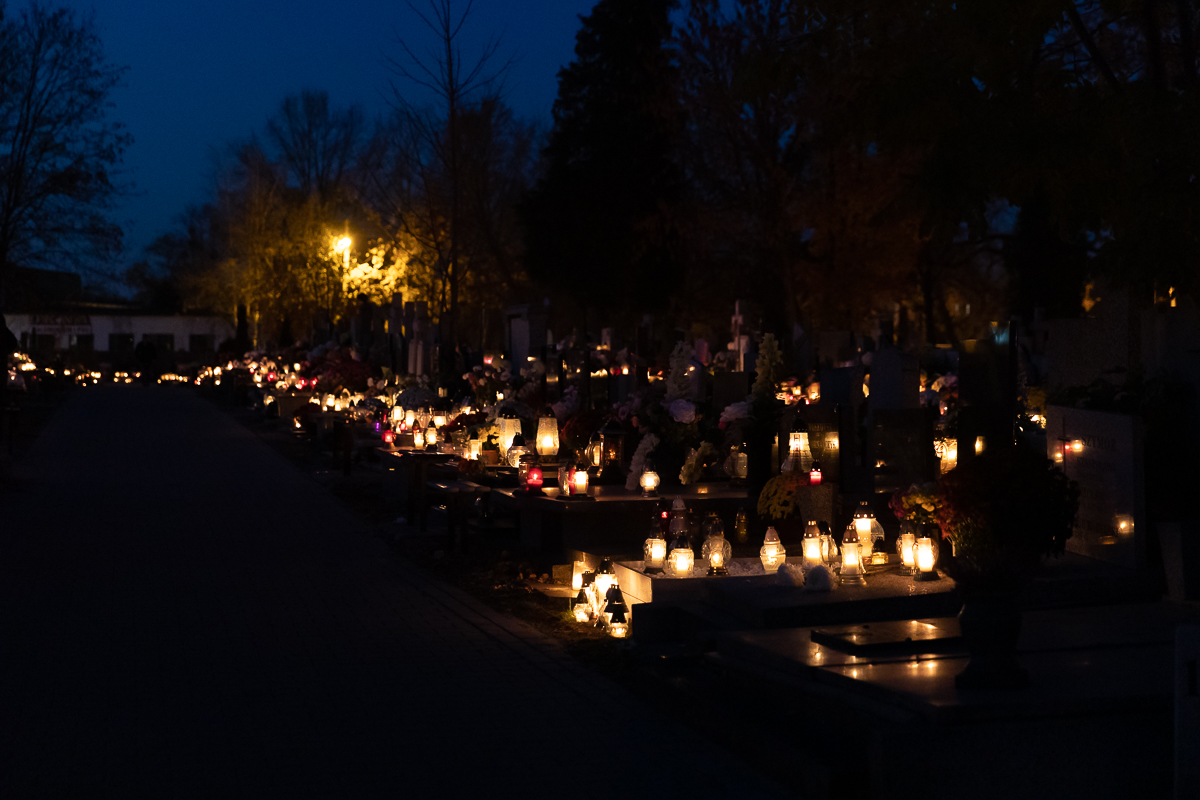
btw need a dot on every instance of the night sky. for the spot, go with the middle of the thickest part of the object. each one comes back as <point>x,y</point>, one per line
<point>203,73</point>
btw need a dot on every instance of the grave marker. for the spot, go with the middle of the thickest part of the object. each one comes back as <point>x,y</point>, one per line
<point>1103,452</point>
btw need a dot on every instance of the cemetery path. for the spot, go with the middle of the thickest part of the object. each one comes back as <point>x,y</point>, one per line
<point>183,614</point>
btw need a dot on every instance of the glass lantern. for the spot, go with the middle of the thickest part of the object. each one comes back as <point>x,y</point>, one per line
<point>439,420</point>
<point>654,552</point>
<point>814,474</point>
<point>613,600</point>
<point>397,415</point>
<point>926,549</point>
<point>577,570</point>
<point>595,450</point>
<point>612,441</point>
<point>410,418</point>
<point>716,550</point>
<point>853,571</point>
<point>579,483</point>
<point>510,427</point>
<point>431,436</point>
<point>739,464</point>
<point>534,479</point>
<point>869,531</point>
<point>474,447</point>
<point>681,559</point>
<point>516,450</point>
<point>800,455</point>
<point>547,437</point>
<point>906,548</point>
<point>649,480</point>
<point>582,608</point>
<point>418,439</point>
<point>618,624</point>
<point>811,546</point>
<point>389,438</point>
<point>606,578</point>
<point>772,553</point>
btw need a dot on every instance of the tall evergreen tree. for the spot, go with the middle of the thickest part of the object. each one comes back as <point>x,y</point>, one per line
<point>600,224</point>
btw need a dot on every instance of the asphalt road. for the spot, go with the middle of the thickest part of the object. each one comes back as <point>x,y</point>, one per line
<point>183,614</point>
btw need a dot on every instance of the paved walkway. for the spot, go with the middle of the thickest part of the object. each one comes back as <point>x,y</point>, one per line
<point>183,614</point>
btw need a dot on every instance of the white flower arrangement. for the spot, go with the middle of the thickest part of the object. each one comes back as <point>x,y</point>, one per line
<point>638,465</point>
<point>683,411</point>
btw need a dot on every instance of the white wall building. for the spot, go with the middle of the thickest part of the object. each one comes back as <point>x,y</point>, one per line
<point>118,333</point>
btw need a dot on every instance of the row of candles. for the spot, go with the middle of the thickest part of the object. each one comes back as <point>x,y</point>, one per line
<point>599,599</point>
<point>917,553</point>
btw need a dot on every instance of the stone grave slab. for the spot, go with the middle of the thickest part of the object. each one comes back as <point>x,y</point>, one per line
<point>824,439</point>
<point>895,637</point>
<point>1109,467</point>
<point>887,595</point>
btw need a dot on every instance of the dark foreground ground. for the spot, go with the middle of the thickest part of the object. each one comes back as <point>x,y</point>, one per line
<point>184,614</point>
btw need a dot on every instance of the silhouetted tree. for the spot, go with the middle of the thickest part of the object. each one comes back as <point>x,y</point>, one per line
<point>59,152</point>
<point>602,222</point>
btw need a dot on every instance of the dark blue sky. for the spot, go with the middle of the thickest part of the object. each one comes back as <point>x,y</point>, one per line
<point>205,72</point>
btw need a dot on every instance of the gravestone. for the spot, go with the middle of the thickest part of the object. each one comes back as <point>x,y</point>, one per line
<point>841,389</point>
<point>1109,467</point>
<point>987,393</point>
<point>824,439</point>
<point>895,380</point>
<point>902,448</point>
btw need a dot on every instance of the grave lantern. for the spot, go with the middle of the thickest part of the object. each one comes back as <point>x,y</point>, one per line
<point>389,438</point>
<point>739,464</point>
<point>618,624</point>
<point>649,480</point>
<point>582,607</point>
<point>614,601</point>
<point>579,482</point>
<point>418,439</point>
<point>516,449</point>
<point>606,578</point>
<point>1124,524</point>
<point>474,447</point>
<point>926,550</point>
<point>595,450</point>
<point>772,553</point>
<point>681,558</point>
<point>869,530</point>
<point>829,548</point>
<point>811,545</point>
<point>947,453</point>
<point>906,546</point>
<point>510,427</point>
<point>577,570</point>
<point>799,451</point>
<point>814,474</point>
<point>980,445</point>
<point>716,549</point>
<point>654,551</point>
<point>397,415</point>
<point>612,440</point>
<point>547,436</point>
<point>410,417</point>
<point>534,479</point>
<point>439,420</point>
<point>431,436</point>
<point>852,560</point>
